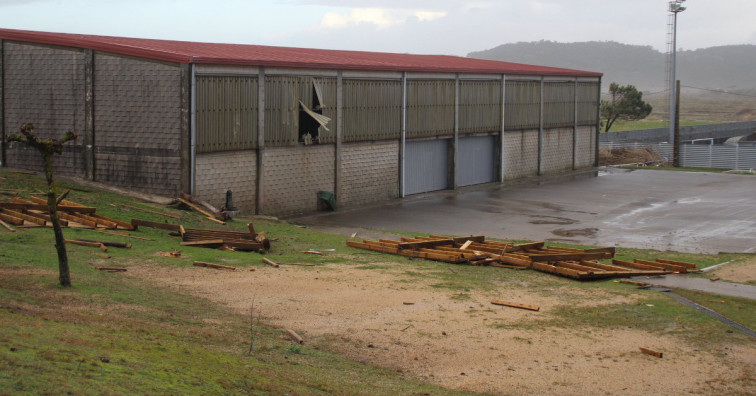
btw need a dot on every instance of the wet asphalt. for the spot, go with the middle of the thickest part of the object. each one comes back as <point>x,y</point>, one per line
<point>646,209</point>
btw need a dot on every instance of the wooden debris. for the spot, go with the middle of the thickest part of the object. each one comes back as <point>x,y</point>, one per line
<point>294,336</point>
<point>22,172</point>
<point>136,223</point>
<point>211,265</point>
<point>173,254</point>
<point>4,224</point>
<point>149,211</point>
<point>312,252</point>
<point>251,269</point>
<point>111,269</point>
<point>105,243</point>
<point>203,242</point>
<point>651,352</point>
<point>269,262</point>
<point>408,303</point>
<point>516,305</point>
<point>635,283</point>
<point>105,256</point>
<point>714,279</point>
<point>85,243</point>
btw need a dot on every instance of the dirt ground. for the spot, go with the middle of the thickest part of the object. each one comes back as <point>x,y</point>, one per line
<point>627,155</point>
<point>743,272</point>
<point>459,340</point>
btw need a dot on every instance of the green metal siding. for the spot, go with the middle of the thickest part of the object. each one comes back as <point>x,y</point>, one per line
<point>226,112</point>
<point>479,106</point>
<point>372,110</point>
<point>523,105</point>
<point>430,108</point>
<point>559,104</point>
<point>588,101</point>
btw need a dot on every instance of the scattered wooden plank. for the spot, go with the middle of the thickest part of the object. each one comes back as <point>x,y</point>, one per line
<point>714,279</point>
<point>43,207</point>
<point>516,305</point>
<point>632,282</point>
<point>25,217</point>
<point>86,243</point>
<point>211,265</point>
<point>149,211</point>
<point>112,269</point>
<point>680,263</point>
<point>651,352</point>
<point>312,252</point>
<point>120,234</point>
<point>269,262</point>
<point>213,219</point>
<point>294,336</point>
<point>195,207</point>
<point>152,224</point>
<point>107,243</point>
<point>670,267</point>
<point>203,242</point>
<point>6,225</point>
<point>11,219</point>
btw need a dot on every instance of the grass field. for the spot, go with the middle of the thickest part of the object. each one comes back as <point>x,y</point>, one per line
<point>696,108</point>
<point>114,334</point>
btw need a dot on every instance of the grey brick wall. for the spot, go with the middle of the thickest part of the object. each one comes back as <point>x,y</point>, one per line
<point>520,154</point>
<point>586,147</point>
<point>218,172</point>
<point>294,175</point>
<point>45,86</point>
<point>370,172</point>
<point>557,150</point>
<point>137,124</point>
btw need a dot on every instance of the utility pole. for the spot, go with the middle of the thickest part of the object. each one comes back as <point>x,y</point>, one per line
<point>675,7</point>
<point>676,128</point>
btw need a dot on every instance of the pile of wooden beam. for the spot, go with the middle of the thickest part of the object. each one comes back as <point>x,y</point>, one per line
<point>34,213</point>
<point>251,241</point>
<point>475,250</point>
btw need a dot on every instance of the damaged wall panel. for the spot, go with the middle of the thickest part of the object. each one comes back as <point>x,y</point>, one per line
<point>284,116</point>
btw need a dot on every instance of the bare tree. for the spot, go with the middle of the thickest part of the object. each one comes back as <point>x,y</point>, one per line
<point>48,147</point>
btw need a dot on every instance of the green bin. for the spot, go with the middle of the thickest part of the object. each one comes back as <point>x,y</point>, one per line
<point>326,200</point>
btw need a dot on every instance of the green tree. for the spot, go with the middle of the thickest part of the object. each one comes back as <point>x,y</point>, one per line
<point>48,147</point>
<point>626,103</point>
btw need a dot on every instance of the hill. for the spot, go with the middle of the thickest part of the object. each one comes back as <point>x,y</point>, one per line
<point>722,68</point>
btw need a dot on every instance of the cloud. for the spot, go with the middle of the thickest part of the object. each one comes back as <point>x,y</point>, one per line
<point>379,17</point>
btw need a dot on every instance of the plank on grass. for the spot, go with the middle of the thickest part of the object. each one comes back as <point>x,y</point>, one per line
<point>516,305</point>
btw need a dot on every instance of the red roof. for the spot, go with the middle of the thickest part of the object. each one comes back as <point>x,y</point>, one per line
<point>261,55</point>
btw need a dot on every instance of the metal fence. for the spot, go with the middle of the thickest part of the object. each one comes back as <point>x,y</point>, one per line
<point>700,156</point>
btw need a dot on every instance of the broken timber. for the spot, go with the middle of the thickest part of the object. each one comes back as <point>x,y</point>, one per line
<point>580,264</point>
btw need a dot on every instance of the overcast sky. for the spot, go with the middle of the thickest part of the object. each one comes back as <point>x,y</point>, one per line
<point>407,26</point>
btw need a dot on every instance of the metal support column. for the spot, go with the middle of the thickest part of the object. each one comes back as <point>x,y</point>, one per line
<point>598,125</point>
<point>454,149</point>
<point>540,131</point>
<point>259,184</point>
<point>575,125</point>
<point>503,126</point>
<point>89,137</point>
<point>193,129</point>
<point>403,138</point>
<point>339,133</point>
<point>185,127</point>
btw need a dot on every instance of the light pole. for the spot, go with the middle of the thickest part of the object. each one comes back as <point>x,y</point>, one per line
<point>674,8</point>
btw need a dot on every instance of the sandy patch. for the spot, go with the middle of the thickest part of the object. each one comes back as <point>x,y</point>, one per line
<point>741,272</point>
<point>457,339</point>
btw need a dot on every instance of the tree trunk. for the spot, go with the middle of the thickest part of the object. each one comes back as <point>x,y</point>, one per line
<point>52,206</point>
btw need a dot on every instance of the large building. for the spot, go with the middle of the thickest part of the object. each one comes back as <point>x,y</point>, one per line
<point>277,125</point>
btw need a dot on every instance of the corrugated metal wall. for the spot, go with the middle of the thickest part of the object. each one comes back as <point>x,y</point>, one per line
<point>372,110</point>
<point>430,108</point>
<point>559,104</point>
<point>587,102</point>
<point>523,105</point>
<point>226,113</point>
<point>479,106</point>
